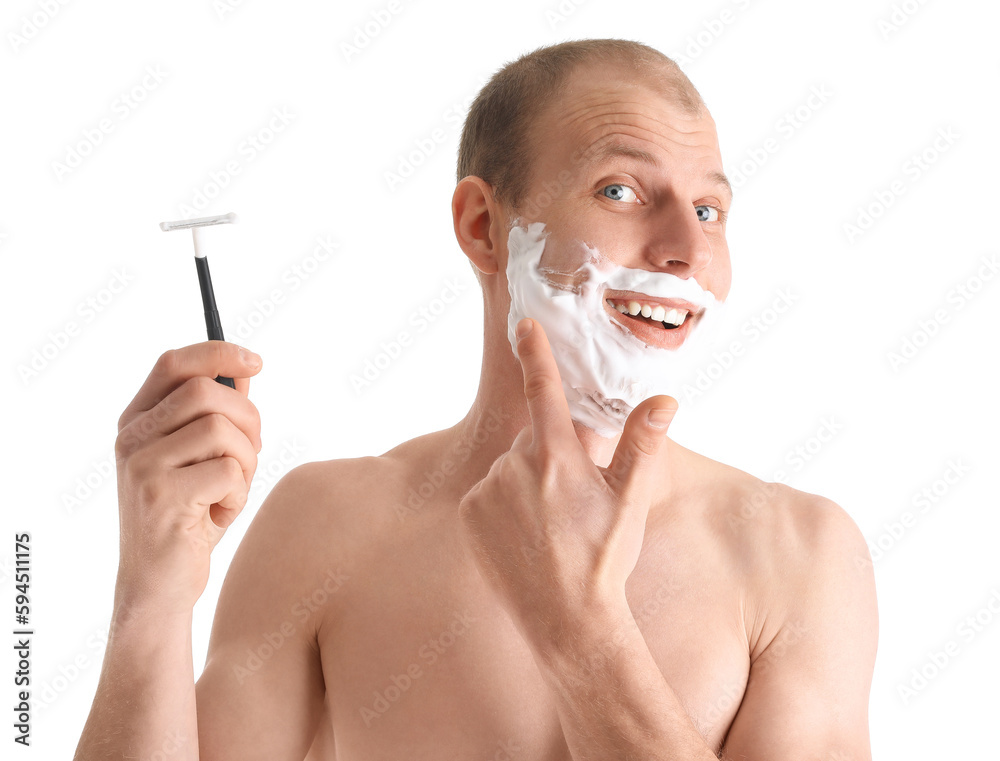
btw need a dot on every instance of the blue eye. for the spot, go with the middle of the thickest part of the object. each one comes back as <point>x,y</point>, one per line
<point>705,213</point>
<point>619,192</point>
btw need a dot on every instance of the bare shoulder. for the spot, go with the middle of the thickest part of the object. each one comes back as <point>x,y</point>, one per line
<point>307,517</point>
<point>285,585</point>
<point>329,481</point>
<point>817,534</point>
<point>789,526</point>
<point>830,574</point>
<point>334,495</point>
<point>801,557</point>
<point>822,583</point>
<point>811,619</point>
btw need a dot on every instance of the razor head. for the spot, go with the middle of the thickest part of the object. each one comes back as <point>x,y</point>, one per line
<point>187,224</point>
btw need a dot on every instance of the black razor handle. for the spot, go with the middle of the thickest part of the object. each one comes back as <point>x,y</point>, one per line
<point>211,313</point>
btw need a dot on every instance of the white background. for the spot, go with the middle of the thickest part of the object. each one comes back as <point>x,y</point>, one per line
<point>897,73</point>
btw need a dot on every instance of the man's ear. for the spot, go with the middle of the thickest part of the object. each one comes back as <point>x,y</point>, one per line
<point>477,220</point>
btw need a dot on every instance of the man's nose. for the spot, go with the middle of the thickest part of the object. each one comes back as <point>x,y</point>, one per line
<point>678,243</point>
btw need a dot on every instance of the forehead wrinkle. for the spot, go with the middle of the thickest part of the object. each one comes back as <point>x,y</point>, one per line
<point>615,112</point>
<point>620,93</point>
<point>592,137</point>
<point>611,112</point>
<point>615,148</point>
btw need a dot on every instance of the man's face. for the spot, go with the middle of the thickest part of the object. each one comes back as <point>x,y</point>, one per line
<point>620,168</point>
<point>619,245</point>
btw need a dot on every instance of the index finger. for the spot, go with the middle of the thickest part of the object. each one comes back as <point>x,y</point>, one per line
<point>175,366</point>
<point>550,419</point>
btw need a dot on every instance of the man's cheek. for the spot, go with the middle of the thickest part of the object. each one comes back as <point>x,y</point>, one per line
<point>562,263</point>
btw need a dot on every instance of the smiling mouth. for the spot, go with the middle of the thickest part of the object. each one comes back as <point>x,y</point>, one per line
<point>668,318</point>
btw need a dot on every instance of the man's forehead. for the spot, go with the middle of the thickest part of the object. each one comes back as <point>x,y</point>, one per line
<point>592,84</point>
<point>606,120</point>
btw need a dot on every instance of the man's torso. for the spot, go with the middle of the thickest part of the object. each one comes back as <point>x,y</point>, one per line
<point>420,659</point>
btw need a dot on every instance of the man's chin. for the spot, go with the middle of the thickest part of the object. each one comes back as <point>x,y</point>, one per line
<point>606,417</point>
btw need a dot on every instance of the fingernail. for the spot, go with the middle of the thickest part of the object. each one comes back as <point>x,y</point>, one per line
<point>249,358</point>
<point>523,327</point>
<point>659,417</point>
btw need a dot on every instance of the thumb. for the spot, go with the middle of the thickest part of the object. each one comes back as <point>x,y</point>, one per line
<point>645,429</point>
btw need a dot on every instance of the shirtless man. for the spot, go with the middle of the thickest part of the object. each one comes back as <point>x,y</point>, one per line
<point>515,586</point>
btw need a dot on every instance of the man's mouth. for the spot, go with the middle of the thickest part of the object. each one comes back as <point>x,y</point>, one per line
<point>664,323</point>
<point>669,318</point>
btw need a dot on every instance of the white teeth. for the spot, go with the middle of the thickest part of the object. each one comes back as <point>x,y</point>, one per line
<point>655,312</point>
<point>674,316</point>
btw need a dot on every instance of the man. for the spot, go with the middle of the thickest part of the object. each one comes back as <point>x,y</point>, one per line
<point>520,585</point>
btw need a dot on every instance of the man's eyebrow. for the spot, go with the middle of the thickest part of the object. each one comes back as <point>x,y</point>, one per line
<point>612,150</point>
<point>718,178</point>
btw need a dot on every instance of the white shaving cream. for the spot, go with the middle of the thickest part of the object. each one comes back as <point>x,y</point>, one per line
<point>606,370</point>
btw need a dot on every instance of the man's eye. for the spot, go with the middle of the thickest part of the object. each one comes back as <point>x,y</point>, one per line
<point>618,192</point>
<point>707,213</point>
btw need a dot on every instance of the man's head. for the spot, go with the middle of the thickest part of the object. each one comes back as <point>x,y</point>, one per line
<point>609,145</point>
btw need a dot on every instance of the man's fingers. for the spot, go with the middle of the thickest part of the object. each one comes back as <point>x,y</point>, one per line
<point>522,440</point>
<point>550,419</point>
<point>634,462</point>
<point>175,366</point>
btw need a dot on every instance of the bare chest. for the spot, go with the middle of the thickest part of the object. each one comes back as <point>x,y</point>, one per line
<point>420,658</point>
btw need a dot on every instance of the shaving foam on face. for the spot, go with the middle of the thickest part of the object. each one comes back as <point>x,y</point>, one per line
<point>606,370</point>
